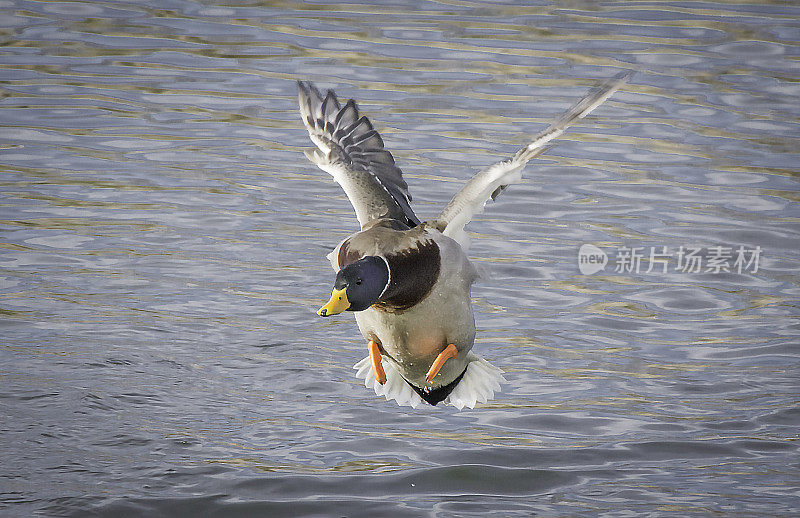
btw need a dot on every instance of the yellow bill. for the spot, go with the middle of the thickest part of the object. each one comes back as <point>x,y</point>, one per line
<point>336,305</point>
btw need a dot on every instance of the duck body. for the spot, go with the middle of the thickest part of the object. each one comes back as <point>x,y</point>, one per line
<point>409,282</point>
<point>426,305</point>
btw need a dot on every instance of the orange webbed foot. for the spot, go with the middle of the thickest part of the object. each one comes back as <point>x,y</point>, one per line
<point>375,358</point>
<point>449,352</point>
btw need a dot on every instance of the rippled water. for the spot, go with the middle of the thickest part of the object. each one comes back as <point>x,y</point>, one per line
<point>164,240</point>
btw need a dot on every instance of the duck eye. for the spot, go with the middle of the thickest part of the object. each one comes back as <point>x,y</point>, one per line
<point>358,282</point>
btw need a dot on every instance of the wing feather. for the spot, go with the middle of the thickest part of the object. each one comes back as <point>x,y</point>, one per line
<point>490,182</point>
<point>352,151</point>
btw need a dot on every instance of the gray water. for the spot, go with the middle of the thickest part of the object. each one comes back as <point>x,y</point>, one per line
<point>163,248</point>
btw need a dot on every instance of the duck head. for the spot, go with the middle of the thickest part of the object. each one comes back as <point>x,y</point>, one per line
<point>358,286</point>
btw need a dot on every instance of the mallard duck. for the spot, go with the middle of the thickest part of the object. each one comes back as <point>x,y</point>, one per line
<point>408,282</point>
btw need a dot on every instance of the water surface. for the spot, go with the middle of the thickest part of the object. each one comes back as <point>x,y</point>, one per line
<point>163,252</point>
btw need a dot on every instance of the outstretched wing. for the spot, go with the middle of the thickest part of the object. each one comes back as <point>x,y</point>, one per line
<point>490,182</point>
<point>352,152</point>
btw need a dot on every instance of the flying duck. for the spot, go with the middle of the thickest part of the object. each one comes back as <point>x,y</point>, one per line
<point>407,281</point>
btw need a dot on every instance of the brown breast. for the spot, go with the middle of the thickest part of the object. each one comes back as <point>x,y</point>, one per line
<point>414,263</point>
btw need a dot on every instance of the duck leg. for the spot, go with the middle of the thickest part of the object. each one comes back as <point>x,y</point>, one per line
<point>449,352</point>
<point>375,358</point>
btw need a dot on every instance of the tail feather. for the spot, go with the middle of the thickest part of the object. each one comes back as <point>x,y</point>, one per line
<point>479,383</point>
